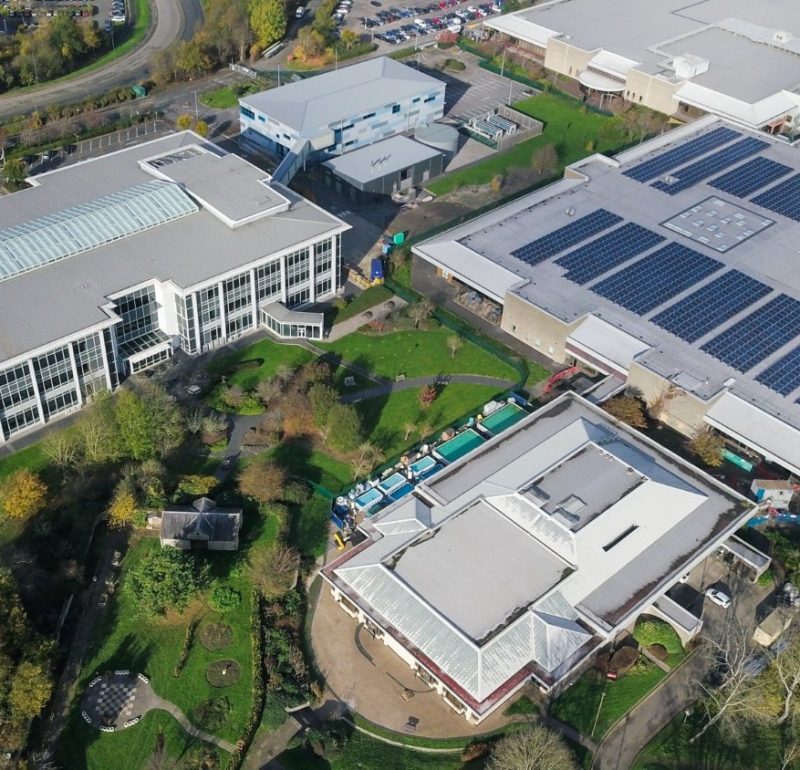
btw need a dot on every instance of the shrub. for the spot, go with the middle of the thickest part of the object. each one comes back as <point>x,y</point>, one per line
<point>767,578</point>
<point>216,636</point>
<point>623,660</point>
<point>651,631</point>
<point>427,395</point>
<point>223,673</point>
<point>658,651</point>
<point>224,599</point>
<point>522,705</point>
<point>211,714</point>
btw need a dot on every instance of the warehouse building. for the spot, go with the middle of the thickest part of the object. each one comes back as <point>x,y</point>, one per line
<point>519,560</point>
<point>671,268</point>
<point>732,58</point>
<point>339,111</point>
<point>108,266</point>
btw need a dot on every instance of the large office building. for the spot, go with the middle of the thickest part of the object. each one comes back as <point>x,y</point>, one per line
<point>108,266</point>
<point>340,111</point>
<point>522,558</point>
<point>671,267</point>
<point>732,58</point>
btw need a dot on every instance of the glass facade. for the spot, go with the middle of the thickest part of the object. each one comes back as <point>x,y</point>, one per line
<point>184,309</point>
<point>17,399</point>
<point>298,268</point>
<point>268,281</point>
<point>139,313</point>
<point>209,313</point>
<point>88,354</point>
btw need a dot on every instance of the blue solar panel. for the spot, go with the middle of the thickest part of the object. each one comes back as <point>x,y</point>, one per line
<point>566,237</point>
<point>650,169</point>
<point>784,375</point>
<point>608,251</point>
<point>654,279</point>
<point>696,315</point>
<point>750,176</point>
<point>784,198</point>
<point>693,173</point>
<point>758,335</point>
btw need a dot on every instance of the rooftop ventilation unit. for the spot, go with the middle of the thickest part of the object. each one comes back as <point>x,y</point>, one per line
<point>688,66</point>
<point>570,211</point>
<point>781,36</point>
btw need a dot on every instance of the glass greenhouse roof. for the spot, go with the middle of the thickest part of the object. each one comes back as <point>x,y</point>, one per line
<point>80,228</point>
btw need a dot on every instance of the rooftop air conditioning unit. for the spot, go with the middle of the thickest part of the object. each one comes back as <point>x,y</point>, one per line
<point>781,36</point>
<point>669,179</point>
<point>571,211</point>
<point>688,66</point>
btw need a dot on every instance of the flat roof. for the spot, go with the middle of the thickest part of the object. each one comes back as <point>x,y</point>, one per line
<point>479,569</point>
<point>65,297</point>
<point>747,61</point>
<point>750,253</point>
<point>481,575</point>
<point>323,100</point>
<point>377,160</point>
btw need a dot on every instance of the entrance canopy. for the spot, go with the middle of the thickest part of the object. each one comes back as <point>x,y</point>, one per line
<point>292,324</point>
<point>599,82</point>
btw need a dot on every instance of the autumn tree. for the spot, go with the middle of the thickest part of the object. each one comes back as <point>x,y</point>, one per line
<point>233,395</point>
<point>201,128</point>
<point>122,510</point>
<point>62,448</point>
<point>191,61</point>
<point>420,311</point>
<point>545,160</point>
<point>267,21</point>
<point>426,396</point>
<point>273,568</point>
<point>535,748</point>
<point>100,437</point>
<point>183,122</point>
<point>454,344</point>
<point>628,409</point>
<point>708,447</point>
<point>270,388</point>
<point>196,485</point>
<point>14,173</point>
<point>322,398</point>
<point>227,28</point>
<point>22,494</point>
<point>263,480</point>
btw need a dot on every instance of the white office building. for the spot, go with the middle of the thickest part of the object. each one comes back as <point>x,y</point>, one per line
<point>108,266</point>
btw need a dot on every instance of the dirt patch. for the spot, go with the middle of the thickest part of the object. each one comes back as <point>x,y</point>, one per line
<point>223,673</point>
<point>216,636</point>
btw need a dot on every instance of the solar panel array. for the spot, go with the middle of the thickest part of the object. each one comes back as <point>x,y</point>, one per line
<point>750,176</point>
<point>758,335</point>
<point>695,172</point>
<point>784,198</point>
<point>704,310</point>
<point>565,237</point>
<point>650,169</point>
<point>608,251</point>
<point>652,280</point>
<point>784,375</point>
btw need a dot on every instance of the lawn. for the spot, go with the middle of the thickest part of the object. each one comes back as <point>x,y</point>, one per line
<point>368,298</point>
<point>247,367</point>
<point>579,704</point>
<point>304,462</point>
<point>760,748</point>
<point>417,354</point>
<point>124,640</point>
<point>364,752</point>
<point>568,125</point>
<point>32,457</point>
<point>384,417</point>
<point>225,97</point>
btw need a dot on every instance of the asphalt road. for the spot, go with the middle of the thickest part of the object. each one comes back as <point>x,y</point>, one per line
<point>171,20</point>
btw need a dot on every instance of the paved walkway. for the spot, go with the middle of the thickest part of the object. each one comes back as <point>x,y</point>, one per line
<point>189,728</point>
<point>269,745</point>
<point>356,322</point>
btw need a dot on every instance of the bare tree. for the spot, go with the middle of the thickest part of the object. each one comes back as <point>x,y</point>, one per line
<point>273,569</point>
<point>270,388</point>
<point>420,311</point>
<point>62,449</point>
<point>728,695</point>
<point>370,453</point>
<point>42,760</point>
<point>776,690</point>
<point>409,428</point>
<point>263,480</point>
<point>455,343</point>
<point>360,467</point>
<point>791,752</point>
<point>535,749</point>
<point>194,420</point>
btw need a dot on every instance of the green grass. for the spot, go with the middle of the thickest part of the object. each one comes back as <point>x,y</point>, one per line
<point>367,753</point>
<point>650,630</point>
<point>384,417</point>
<point>579,704</point>
<point>86,748</point>
<point>417,354</point>
<point>568,126</point>
<point>124,640</point>
<point>247,367</point>
<point>307,464</point>
<point>221,98</point>
<point>760,748</point>
<point>368,298</point>
<point>31,457</point>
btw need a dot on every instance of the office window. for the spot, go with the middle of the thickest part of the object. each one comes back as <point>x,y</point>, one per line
<point>246,112</point>
<point>395,109</point>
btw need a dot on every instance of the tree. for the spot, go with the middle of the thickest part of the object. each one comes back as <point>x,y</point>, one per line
<point>420,311</point>
<point>191,60</point>
<point>31,687</point>
<point>62,448</point>
<point>100,437</point>
<point>14,173</point>
<point>708,447</point>
<point>322,398</point>
<point>227,28</point>
<point>263,480</point>
<point>22,494</point>
<point>345,427</point>
<point>627,409</point>
<point>273,569</point>
<point>409,428</point>
<point>122,511</point>
<point>149,426</point>
<point>194,420</point>
<point>164,579</point>
<point>536,748</point>
<point>371,453</point>
<point>545,160</point>
<point>454,344</point>
<point>267,20</point>
<point>184,122</point>
<point>201,128</point>
<point>427,395</point>
<point>360,467</point>
<point>270,388</point>
<point>195,485</point>
<point>233,395</point>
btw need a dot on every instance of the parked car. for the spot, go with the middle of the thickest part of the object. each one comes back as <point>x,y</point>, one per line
<point>300,12</point>
<point>719,597</point>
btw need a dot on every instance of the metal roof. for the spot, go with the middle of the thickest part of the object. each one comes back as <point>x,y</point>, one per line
<point>380,159</point>
<point>323,100</point>
<point>79,228</point>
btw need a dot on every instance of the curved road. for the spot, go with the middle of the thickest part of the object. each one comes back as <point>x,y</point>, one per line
<point>171,20</point>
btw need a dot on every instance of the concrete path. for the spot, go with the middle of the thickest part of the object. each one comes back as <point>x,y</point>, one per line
<point>356,322</point>
<point>623,743</point>
<point>570,732</point>
<point>265,748</point>
<point>189,728</point>
<point>417,382</point>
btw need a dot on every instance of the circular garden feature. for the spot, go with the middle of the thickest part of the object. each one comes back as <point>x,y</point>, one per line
<point>223,673</point>
<point>216,636</point>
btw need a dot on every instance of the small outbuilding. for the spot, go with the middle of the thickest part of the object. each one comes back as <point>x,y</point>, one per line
<point>201,526</point>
